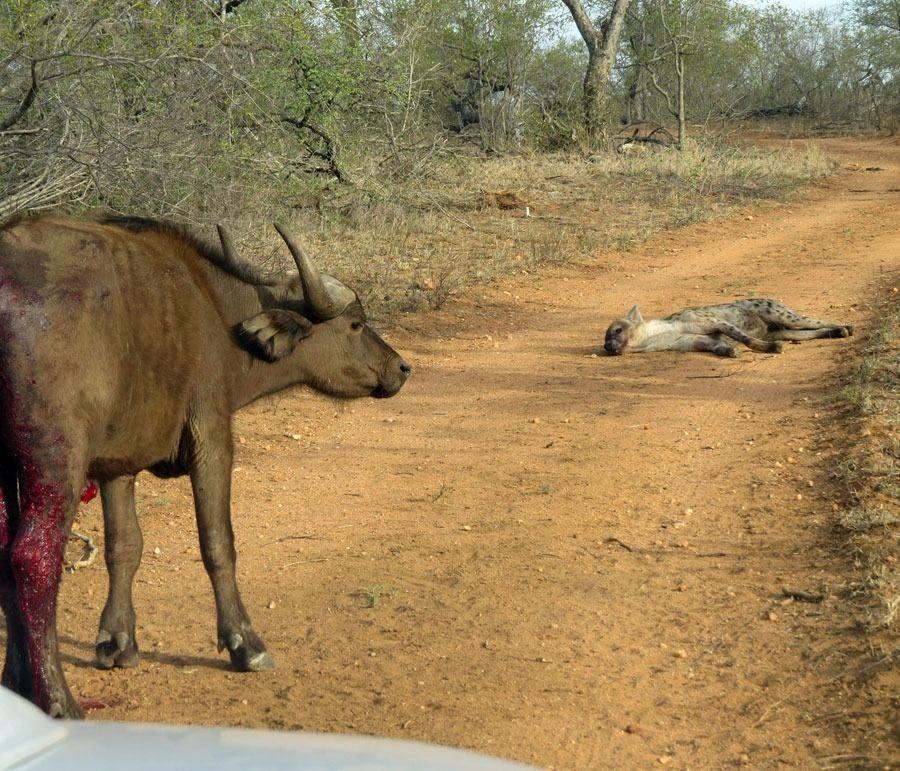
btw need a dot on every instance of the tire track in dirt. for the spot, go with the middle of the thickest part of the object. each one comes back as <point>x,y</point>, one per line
<point>572,558</point>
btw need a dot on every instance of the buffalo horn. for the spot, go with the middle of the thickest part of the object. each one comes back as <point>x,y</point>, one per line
<point>236,265</point>
<point>325,304</point>
<point>228,245</point>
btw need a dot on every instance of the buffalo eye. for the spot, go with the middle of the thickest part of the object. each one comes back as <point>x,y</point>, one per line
<point>356,326</point>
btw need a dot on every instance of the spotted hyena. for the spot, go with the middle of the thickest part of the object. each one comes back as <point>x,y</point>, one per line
<point>758,324</point>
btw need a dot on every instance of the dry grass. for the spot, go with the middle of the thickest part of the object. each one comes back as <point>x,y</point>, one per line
<point>417,245</point>
<point>800,127</point>
<point>871,466</point>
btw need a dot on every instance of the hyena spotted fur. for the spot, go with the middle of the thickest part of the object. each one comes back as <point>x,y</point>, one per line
<point>758,324</point>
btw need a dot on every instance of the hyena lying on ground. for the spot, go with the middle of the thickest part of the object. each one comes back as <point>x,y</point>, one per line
<point>758,324</point>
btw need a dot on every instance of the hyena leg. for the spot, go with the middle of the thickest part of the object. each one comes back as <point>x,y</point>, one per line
<point>782,319</point>
<point>753,343</point>
<point>798,335</point>
<point>706,344</point>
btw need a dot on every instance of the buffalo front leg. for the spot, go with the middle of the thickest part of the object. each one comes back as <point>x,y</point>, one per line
<point>211,480</point>
<point>116,642</point>
<point>16,669</point>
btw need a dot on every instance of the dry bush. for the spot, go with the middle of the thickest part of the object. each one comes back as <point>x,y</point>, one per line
<point>429,240</point>
<point>871,465</point>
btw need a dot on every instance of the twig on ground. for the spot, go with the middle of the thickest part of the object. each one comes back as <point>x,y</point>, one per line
<point>621,543</point>
<point>89,555</point>
<point>713,377</point>
<point>305,562</point>
<point>800,594</point>
<point>304,537</point>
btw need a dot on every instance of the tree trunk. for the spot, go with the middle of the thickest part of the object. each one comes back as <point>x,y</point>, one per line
<point>602,46</point>
<point>594,98</point>
<point>679,71</point>
<point>635,106</point>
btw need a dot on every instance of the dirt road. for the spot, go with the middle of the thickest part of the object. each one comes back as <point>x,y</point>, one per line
<point>535,551</point>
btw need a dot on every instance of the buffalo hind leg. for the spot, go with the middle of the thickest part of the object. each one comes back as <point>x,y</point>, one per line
<point>210,471</point>
<point>116,641</point>
<point>48,504</point>
<point>16,669</point>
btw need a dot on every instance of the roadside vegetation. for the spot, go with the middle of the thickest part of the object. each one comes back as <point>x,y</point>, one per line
<point>870,468</point>
<point>867,530</point>
<point>475,222</point>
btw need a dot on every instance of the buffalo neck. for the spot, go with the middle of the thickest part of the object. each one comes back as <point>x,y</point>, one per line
<point>249,377</point>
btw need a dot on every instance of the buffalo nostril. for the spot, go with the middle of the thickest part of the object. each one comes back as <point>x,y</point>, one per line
<point>405,368</point>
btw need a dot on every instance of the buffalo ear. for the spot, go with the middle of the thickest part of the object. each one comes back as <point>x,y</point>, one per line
<point>273,334</point>
<point>634,315</point>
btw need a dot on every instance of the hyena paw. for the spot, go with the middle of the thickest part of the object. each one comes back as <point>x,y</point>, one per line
<point>775,347</point>
<point>722,349</point>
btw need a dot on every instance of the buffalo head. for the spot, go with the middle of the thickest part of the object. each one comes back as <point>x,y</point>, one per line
<point>320,324</point>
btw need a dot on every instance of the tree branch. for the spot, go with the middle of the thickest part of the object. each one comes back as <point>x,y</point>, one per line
<point>586,27</point>
<point>26,102</point>
<point>612,30</point>
<point>329,154</point>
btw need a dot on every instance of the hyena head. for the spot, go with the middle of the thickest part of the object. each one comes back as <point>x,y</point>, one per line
<point>622,331</point>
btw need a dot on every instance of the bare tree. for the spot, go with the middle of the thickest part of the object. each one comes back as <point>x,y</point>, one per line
<point>679,28</point>
<point>639,40</point>
<point>602,45</point>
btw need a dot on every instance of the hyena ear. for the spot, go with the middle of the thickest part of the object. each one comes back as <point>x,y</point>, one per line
<point>272,334</point>
<point>634,315</point>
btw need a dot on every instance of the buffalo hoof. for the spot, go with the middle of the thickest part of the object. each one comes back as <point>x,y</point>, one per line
<point>247,652</point>
<point>261,662</point>
<point>70,711</point>
<point>115,651</point>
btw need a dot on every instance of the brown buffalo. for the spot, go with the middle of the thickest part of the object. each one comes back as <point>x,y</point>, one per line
<point>127,344</point>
